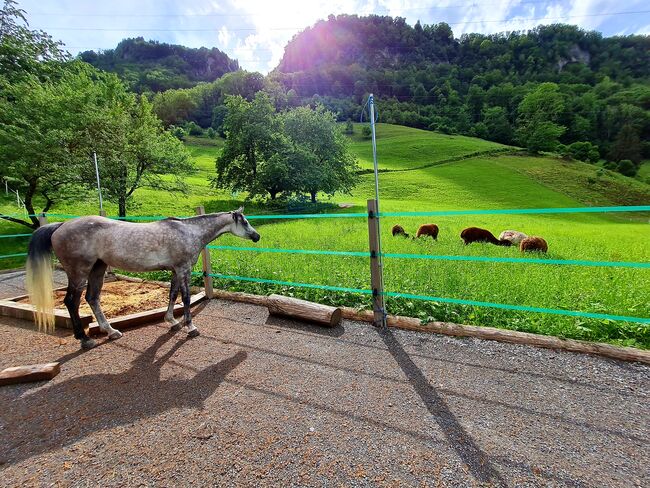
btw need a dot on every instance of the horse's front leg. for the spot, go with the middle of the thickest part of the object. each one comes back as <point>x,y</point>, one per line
<point>184,279</point>
<point>173,294</point>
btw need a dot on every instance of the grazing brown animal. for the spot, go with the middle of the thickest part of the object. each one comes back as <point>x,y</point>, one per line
<point>398,230</point>
<point>428,230</point>
<point>475,234</point>
<point>533,243</point>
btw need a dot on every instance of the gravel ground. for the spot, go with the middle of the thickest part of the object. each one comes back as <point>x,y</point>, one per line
<point>257,400</point>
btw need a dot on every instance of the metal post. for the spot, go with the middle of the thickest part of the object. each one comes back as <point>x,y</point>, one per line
<point>42,220</point>
<point>205,262</point>
<point>374,235</point>
<point>109,269</point>
<point>6,188</point>
<point>376,271</point>
<point>99,188</point>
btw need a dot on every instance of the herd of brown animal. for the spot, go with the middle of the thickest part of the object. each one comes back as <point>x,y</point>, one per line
<point>475,234</point>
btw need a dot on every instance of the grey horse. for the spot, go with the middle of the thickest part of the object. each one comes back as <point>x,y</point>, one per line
<point>87,245</point>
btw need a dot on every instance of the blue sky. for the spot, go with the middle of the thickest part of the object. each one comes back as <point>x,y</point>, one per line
<point>256,31</point>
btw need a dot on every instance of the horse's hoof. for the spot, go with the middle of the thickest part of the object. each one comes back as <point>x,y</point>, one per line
<point>193,333</point>
<point>88,344</point>
<point>115,335</point>
<point>176,327</point>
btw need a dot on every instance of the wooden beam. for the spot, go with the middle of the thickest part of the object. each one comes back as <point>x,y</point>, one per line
<point>205,263</point>
<point>25,311</point>
<point>304,310</point>
<point>135,319</point>
<point>26,374</point>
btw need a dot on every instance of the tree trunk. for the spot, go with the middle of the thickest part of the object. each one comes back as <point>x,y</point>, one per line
<point>122,207</point>
<point>313,196</point>
<point>273,194</point>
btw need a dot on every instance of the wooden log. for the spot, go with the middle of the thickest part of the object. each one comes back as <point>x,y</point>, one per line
<point>26,374</point>
<point>302,309</point>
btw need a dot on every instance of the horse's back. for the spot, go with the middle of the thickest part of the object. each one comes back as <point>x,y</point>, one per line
<point>126,245</point>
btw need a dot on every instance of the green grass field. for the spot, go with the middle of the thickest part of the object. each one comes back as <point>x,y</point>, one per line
<point>488,181</point>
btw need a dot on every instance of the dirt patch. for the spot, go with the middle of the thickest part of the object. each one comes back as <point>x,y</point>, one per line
<point>121,298</point>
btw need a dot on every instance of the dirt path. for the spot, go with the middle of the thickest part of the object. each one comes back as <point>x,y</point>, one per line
<point>257,400</point>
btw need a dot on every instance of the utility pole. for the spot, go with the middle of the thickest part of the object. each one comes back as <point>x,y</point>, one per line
<point>374,235</point>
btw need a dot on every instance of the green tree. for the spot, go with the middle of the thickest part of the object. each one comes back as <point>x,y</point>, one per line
<point>319,156</point>
<point>349,127</point>
<point>25,52</point>
<point>627,145</point>
<point>627,168</point>
<point>133,149</point>
<point>254,140</point>
<point>42,134</point>
<point>366,132</point>
<point>539,112</point>
<point>498,126</point>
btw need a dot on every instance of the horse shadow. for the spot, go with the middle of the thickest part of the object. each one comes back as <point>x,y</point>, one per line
<point>49,418</point>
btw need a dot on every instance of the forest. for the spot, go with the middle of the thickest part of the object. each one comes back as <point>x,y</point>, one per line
<point>554,88</point>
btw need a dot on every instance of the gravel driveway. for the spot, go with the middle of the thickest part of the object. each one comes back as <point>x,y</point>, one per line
<point>257,400</point>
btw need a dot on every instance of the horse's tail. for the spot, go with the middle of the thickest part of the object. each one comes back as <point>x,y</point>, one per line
<point>39,275</point>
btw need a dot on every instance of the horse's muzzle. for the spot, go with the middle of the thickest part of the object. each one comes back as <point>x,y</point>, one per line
<point>255,237</point>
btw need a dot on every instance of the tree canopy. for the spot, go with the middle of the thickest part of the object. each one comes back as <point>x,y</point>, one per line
<point>301,150</point>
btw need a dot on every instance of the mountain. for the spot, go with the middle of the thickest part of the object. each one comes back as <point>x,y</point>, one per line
<point>575,85</point>
<point>156,66</point>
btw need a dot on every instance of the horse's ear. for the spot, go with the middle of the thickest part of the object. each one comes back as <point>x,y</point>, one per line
<point>240,210</point>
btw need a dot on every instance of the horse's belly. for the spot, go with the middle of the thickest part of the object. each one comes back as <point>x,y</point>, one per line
<point>139,261</point>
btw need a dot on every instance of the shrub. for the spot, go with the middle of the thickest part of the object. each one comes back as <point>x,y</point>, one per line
<point>211,133</point>
<point>178,132</point>
<point>582,151</point>
<point>366,132</point>
<point>349,128</point>
<point>627,167</point>
<point>193,128</point>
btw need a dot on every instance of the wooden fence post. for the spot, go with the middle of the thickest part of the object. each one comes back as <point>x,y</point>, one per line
<point>376,271</point>
<point>205,261</point>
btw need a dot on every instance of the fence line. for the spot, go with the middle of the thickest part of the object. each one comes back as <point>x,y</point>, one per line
<point>442,257</point>
<point>521,308</point>
<point>457,301</point>
<point>438,213</point>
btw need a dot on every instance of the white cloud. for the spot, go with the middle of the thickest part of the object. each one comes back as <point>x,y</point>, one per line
<point>256,31</point>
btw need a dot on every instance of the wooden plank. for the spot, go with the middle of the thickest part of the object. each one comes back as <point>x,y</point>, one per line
<point>205,264</point>
<point>23,296</point>
<point>26,374</point>
<point>376,271</point>
<point>304,310</point>
<point>139,318</point>
<point>25,311</point>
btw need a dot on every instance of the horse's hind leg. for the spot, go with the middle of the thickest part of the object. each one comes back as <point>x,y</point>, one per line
<point>184,279</point>
<point>93,292</point>
<point>173,294</point>
<point>72,300</point>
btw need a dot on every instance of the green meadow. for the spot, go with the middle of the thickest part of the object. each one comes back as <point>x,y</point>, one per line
<point>425,171</point>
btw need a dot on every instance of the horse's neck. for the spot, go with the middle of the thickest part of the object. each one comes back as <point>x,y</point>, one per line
<point>210,226</point>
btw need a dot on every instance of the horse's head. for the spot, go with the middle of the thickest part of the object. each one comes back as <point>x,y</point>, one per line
<point>240,226</point>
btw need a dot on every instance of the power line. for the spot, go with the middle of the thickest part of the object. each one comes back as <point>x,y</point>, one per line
<point>248,15</point>
<point>254,29</point>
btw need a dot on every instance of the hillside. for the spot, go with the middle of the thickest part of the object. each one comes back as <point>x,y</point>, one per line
<point>157,66</point>
<point>495,86</point>
<point>485,181</point>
